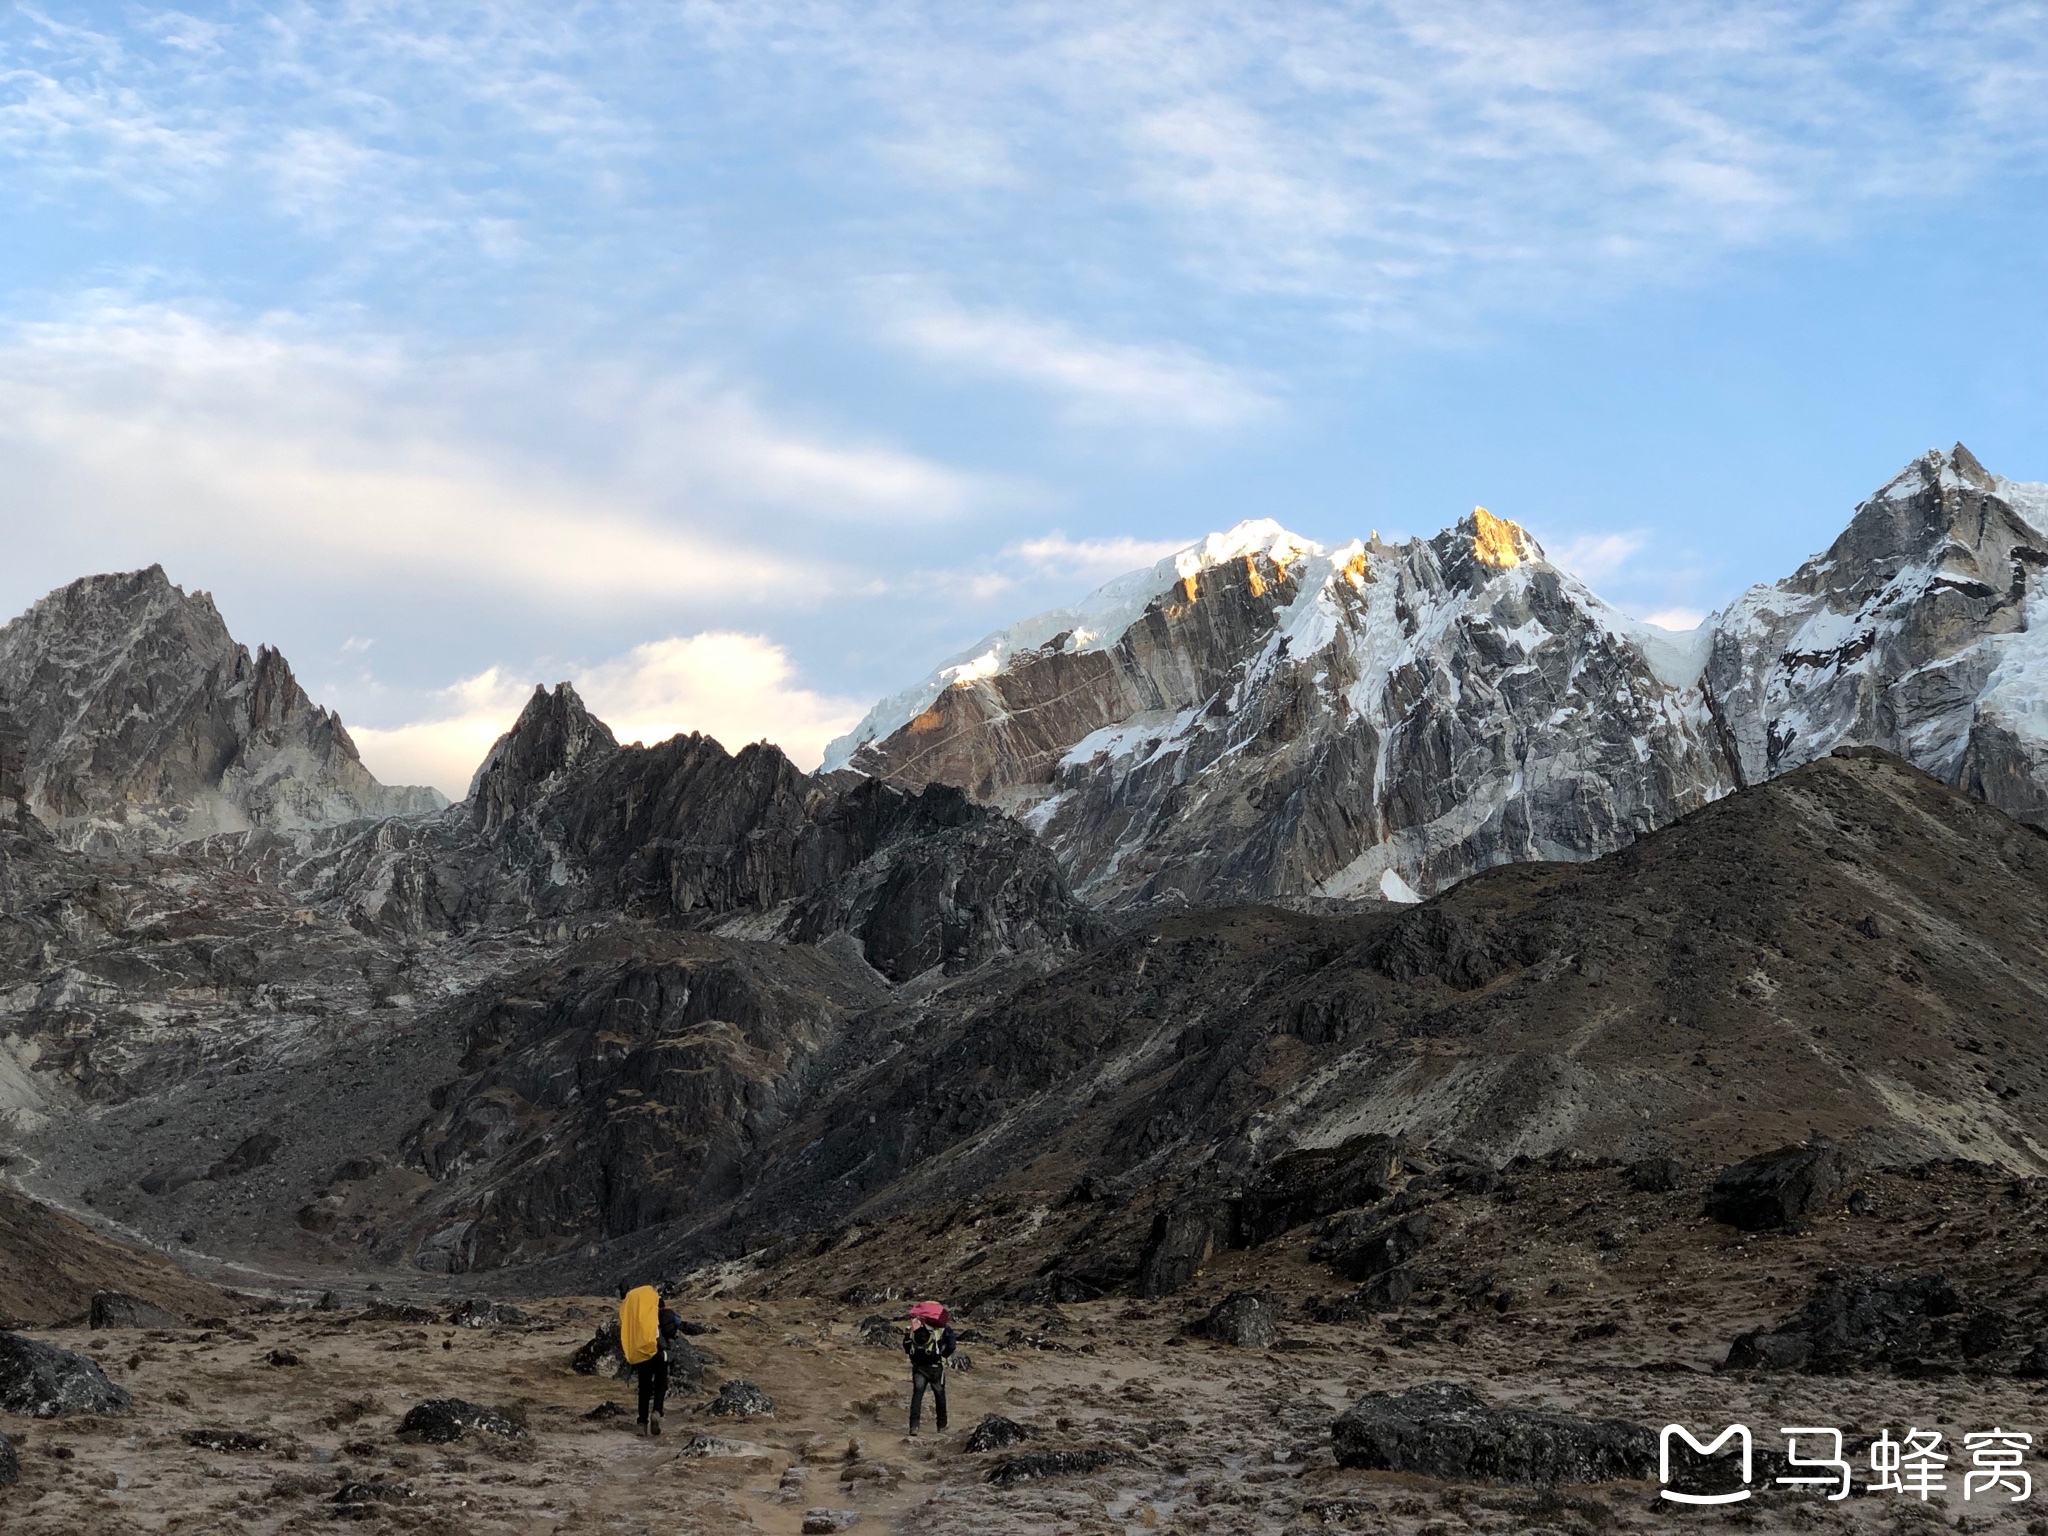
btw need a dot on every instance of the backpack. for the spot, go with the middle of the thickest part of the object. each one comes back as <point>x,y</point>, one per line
<point>640,1325</point>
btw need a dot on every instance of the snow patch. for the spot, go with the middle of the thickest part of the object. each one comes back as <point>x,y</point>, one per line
<point>1394,888</point>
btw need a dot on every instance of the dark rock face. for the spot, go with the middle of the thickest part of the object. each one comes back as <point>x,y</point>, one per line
<point>1304,1185</point>
<point>1775,1189</point>
<point>139,720</point>
<point>1872,1319</point>
<point>1248,1319</point>
<point>1361,1254</point>
<point>42,1381</point>
<point>1446,1431</point>
<point>439,1420</point>
<point>1029,1466</point>
<point>1183,1239</point>
<point>995,1433</point>
<point>112,1309</point>
<point>740,1400</point>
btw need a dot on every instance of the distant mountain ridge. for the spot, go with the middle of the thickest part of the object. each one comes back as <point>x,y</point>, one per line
<point>1260,717</point>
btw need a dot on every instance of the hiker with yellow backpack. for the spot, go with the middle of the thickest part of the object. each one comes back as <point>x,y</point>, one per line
<point>645,1328</point>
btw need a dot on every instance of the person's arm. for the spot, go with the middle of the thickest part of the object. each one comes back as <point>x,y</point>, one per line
<point>946,1342</point>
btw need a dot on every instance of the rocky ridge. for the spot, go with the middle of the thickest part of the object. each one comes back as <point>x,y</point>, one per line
<point>1260,717</point>
<point>129,717</point>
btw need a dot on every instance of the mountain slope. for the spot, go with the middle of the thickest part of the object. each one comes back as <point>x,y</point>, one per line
<point>1854,949</point>
<point>129,715</point>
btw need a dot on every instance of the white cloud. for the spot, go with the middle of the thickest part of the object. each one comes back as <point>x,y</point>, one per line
<point>1593,557</point>
<point>1097,559</point>
<point>1676,618</point>
<point>155,429</point>
<point>736,688</point>
<point>1099,380</point>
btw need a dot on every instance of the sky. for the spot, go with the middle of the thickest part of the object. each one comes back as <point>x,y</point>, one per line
<point>740,361</point>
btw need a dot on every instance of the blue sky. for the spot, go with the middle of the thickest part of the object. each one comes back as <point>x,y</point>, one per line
<point>740,360</point>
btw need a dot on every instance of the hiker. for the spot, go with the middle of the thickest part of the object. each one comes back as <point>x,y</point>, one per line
<point>929,1342</point>
<point>646,1326</point>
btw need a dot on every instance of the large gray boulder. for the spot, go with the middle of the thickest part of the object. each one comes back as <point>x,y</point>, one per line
<point>1446,1431</point>
<point>42,1381</point>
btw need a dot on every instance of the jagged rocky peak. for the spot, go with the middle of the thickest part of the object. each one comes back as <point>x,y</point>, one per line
<point>1919,630</point>
<point>1261,716</point>
<point>554,734</point>
<point>136,718</point>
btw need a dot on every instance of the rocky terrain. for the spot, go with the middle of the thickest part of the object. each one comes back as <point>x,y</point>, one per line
<point>1260,717</point>
<point>1568,1295</point>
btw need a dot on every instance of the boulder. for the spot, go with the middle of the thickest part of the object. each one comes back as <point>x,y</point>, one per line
<point>822,1522</point>
<point>1310,1183</point>
<point>1774,1189</point>
<point>474,1313</point>
<point>740,1400</point>
<point>1382,1293</point>
<point>251,1153</point>
<point>1184,1237</point>
<point>1028,1466</point>
<point>1446,1431</point>
<point>1654,1175</point>
<point>1361,1254</point>
<point>995,1433</point>
<point>1874,1319</point>
<point>1245,1318</point>
<point>686,1366</point>
<point>42,1381</point>
<point>599,1355</point>
<point>116,1309</point>
<point>606,1410</point>
<point>401,1312</point>
<point>439,1420</point>
<point>10,1463</point>
<point>879,1332</point>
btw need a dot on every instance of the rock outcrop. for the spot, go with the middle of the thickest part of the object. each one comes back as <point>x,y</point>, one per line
<point>1449,1432</point>
<point>131,717</point>
<point>42,1381</point>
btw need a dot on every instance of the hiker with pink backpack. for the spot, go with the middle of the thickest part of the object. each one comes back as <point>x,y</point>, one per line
<point>929,1342</point>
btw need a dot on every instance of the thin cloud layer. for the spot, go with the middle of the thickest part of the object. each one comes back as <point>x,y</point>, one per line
<point>154,430</point>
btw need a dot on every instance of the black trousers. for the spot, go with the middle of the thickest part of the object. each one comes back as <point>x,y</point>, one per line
<point>653,1374</point>
<point>936,1381</point>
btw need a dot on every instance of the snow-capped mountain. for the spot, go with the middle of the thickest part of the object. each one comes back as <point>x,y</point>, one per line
<point>1259,716</point>
<point>129,715</point>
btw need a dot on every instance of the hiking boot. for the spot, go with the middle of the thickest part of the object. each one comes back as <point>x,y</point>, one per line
<point>640,1429</point>
<point>654,1425</point>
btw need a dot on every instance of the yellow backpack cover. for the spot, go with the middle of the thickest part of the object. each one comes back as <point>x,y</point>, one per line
<point>640,1325</point>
